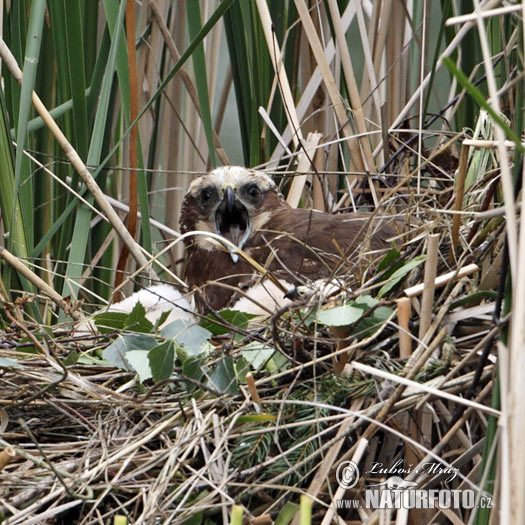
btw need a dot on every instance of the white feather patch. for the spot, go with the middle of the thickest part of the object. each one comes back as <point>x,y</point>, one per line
<point>263,299</point>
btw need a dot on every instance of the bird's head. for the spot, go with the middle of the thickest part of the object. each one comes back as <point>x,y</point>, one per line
<point>231,201</point>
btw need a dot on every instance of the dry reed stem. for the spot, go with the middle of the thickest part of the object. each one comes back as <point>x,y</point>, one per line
<point>427,300</point>
<point>256,398</point>
<point>403,319</point>
<point>304,165</point>
<point>442,280</point>
<point>458,198</point>
<point>334,94</point>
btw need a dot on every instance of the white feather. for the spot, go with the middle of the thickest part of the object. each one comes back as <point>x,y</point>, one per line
<point>265,294</point>
<point>156,300</point>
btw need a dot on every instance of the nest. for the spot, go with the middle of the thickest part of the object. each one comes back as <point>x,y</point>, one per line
<point>84,440</point>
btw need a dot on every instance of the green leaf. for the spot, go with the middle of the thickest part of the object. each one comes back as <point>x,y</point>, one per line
<point>234,317</point>
<point>140,363</point>
<point>23,192</point>
<point>193,368</point>
<point>365,302</point>
<point>71,359</point>
<point>257,354</point>
<point>161,360</point>
<point>399,275</point>
<point>110,321</point>
<point>242,367</point>
<point>116,352</point>
<point>392,255</point>
<point>193,338</point>
<point>201,77</point>
<point>277,363</point>
<point>223,378</point>
<point>339,316</point>
<point>160,321</point>
<point>369,324</point>
<point>137,321</point>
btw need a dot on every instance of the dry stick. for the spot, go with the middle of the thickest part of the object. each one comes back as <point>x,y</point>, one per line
<point>419,469</point>
<point>421,348</point>
<point>361,447</point>
<point>514,430</point>
<point>353,90</point>
<point>305,102</point>
<point>427,300</point>
<point>403,318</point>
<point>458,202</point>
<point>77,162</point>
<point>443,279</point>
<point>304,165</point>
<point>466,359</point>
<point>256,398</point>
<point>405,351</point>
<point>370,430</point>
<point>449,435</point>
<point>490,144</point>
<point>334,94</point>
<point>6,456</point>
<point>32,277</point>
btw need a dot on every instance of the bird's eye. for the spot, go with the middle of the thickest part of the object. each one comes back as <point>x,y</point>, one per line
<point>254,192</point>
<point>205,195</point>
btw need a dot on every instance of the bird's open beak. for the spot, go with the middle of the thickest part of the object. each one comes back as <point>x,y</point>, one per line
<point>232,220</point>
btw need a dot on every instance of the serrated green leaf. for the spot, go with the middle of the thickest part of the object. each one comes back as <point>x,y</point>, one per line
<point>193,338</point>
<point>110,321</point>
<point>234,317</point>
<point>242,367</point>
<point>161,360</point>
<point>116,352</point>
<point>71,359</point>
<point>369,324</point>
<point>277,363</point>
<point>223,377</point>
<point>364,302</point>
<point>160,321</point>
<point>399,275</point>
<point>136,320</point>
<point>193,368</point>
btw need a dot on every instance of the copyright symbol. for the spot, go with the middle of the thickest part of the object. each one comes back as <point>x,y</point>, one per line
<point>347,474</point>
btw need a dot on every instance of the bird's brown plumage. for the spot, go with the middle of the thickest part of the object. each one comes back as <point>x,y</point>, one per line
<point>295,244</point>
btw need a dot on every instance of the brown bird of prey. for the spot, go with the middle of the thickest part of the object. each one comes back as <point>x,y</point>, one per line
<point>297,245</point>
